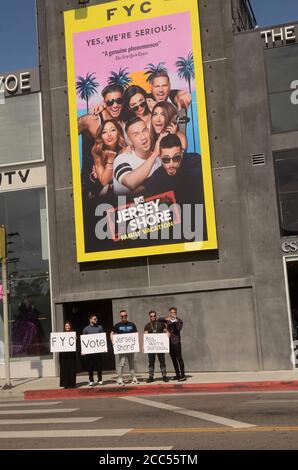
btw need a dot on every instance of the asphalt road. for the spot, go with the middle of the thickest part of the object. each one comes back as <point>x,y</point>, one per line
<point>178,422</point>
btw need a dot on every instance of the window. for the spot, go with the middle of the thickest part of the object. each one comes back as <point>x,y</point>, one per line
<point>24,215</point>
<point>20,129</point>
<point>282,76</point>
<point>286,174</point>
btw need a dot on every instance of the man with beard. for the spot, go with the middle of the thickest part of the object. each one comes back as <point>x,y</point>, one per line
<point>181,173</point>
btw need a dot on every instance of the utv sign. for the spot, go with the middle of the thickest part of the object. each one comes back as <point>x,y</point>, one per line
<point>22,179</point>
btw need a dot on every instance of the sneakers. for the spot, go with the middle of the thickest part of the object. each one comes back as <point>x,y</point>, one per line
<point>135,380</point>
<point>176,377</point>
<point>182,379</point>
<point>165,379</point>
<point>149,380</point>
<point>120,382</point>
<point>99,382</point>
<point>90,384</point>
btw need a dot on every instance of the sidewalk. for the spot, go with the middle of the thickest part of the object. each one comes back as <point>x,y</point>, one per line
<point>209,382</point>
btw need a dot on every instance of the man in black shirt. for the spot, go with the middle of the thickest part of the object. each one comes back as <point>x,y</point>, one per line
<point>181,173</point>
<point>156,326</point>
<point>94,361</point>
<point>124,327</point>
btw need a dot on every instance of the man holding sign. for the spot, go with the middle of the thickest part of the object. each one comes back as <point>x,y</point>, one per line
<point>124,327</point>
<point>93,360</point>
<point>155,326</point>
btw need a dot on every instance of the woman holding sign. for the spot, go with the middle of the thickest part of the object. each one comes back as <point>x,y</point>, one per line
<point>67,361</point>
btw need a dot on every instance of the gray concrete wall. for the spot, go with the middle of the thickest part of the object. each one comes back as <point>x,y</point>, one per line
<point>211,332</point>
<point>234,293</point>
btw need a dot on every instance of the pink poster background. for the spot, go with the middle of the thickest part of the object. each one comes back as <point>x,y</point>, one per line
<point>94,53</point>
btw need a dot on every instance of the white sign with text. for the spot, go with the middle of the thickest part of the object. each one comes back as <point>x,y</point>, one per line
<point>156,343</point>
<point>126,343</point>
<point>94,344</point>
<point>63,341</point>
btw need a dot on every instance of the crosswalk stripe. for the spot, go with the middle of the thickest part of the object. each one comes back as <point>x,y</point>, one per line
<point>48,420</point>
<point>193,413</point>
<point>104,448</point>
<point>29,412</point>
<point>270,402</point>
<point>26,403</point>
<point>64,433</point>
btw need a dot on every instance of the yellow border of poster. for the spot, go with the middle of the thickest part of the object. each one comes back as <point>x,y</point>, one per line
<point>95,17</point>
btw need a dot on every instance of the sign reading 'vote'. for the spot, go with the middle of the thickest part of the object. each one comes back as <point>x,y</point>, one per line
<point>92,344</point>
<point>63,341</point>
<point>126,343</point>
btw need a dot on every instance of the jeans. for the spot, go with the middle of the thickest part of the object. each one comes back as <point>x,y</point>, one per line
<point>162,363</point>
<point>176,356</point>
<point>94,362</point>
<point>131,364</point>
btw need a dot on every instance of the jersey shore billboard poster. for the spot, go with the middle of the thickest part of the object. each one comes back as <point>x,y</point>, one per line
<point>139,137</point>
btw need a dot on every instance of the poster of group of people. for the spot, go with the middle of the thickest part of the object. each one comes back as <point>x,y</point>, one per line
<point>139,136</point>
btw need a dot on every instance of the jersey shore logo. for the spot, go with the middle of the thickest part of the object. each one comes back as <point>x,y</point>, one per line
<point>155,217</point>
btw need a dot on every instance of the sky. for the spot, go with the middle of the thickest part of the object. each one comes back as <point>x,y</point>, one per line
<point>18,36</point>
<point>271,12</point>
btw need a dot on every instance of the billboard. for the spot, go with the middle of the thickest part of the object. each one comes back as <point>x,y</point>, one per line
<point>139,137</point>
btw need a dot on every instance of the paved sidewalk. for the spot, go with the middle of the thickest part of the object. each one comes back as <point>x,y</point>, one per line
<point>48,388</point>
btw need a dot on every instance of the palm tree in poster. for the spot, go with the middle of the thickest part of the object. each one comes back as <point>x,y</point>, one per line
<point>121,78</point>
<point>185,68</point>
<point>86,87</point>
<point>152,69</point>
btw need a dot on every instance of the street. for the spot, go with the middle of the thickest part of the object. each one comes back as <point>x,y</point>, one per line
<point>263,420</point>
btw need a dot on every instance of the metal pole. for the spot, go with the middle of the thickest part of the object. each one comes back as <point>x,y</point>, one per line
<point>7,384</point>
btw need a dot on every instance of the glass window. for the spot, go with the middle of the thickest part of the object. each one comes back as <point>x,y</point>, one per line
<point>286,174</point>
<point>20,129</point>
<point>282,78</point>
<point>284,115</point>
<point>24,215</point>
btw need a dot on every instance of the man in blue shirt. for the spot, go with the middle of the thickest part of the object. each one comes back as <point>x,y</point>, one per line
<point>124,327</point>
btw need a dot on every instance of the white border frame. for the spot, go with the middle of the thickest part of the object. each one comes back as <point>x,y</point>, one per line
<point>30,162</point>
<point>41,358</point>
<point>289,259</point>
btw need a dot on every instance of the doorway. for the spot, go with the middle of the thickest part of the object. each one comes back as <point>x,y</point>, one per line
<point>292,275</point>
<point>77,313</point>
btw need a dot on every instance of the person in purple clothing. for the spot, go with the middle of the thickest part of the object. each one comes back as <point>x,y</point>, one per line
<point>174,327</point>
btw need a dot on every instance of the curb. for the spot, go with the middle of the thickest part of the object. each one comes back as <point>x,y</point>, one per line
<point>134,390</point>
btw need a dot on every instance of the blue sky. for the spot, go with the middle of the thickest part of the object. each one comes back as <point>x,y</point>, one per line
<point>270,12</point>
<point>19,39</point>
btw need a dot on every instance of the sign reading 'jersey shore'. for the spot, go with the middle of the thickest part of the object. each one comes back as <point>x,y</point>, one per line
<point>126,343</point>
<point>139,137</point>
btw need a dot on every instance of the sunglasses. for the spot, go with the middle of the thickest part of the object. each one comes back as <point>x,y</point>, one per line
<point>137,106</point>
<point>111,102</point>
<point>175,159</point>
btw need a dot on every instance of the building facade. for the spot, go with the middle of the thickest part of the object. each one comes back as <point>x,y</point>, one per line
<point>238,301</point>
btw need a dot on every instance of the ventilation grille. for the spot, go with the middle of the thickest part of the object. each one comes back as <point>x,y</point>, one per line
<point>258,159</point>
